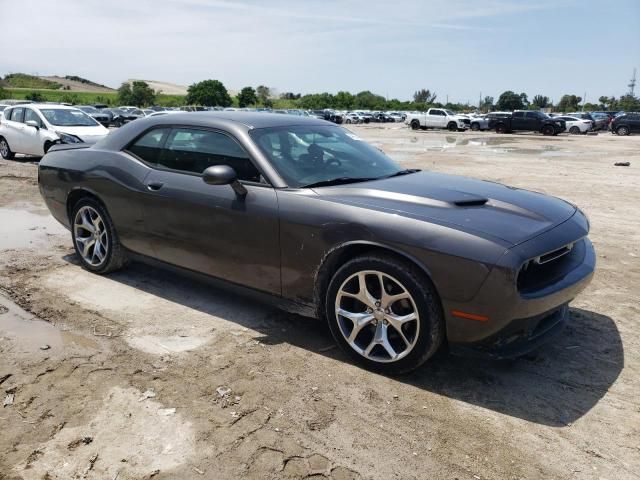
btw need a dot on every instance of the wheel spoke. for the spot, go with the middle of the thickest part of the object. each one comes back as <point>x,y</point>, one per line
<point>359,321</point>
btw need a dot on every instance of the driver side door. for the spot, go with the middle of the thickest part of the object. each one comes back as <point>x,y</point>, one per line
<point>208,228</point>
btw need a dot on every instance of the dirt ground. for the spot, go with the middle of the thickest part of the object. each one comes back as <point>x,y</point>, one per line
<point>148,374</point>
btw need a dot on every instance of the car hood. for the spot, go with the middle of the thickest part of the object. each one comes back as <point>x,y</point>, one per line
<point>86,134</point>
<point>510,214</point>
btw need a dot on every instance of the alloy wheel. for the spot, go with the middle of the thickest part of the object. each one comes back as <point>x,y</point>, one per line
<point>4,148</point>
<point>377,316</point>
<point>92,241</point>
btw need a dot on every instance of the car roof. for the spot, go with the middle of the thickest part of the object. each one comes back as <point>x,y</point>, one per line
<point>248,119</point>
<point>49,105</point>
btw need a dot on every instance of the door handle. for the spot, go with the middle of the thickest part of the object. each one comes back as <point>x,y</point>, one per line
<point>153,186</point>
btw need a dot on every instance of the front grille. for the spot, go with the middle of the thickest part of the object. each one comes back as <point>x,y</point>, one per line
<point>466,121</point>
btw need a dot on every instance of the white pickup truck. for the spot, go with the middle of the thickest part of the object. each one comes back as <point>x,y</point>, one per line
<point>437,118</point>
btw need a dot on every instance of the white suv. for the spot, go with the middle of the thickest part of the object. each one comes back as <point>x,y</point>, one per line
<point>32,129</point>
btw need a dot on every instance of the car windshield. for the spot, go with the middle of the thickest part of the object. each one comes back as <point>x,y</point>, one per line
<point>88,109</point>
<point>68,118</point>
<point>308,155</point>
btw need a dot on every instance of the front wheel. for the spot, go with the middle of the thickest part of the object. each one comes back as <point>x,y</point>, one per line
<point>501,128</point>
<point>95,239</point>
<point>384,313</point>
<point>548,130</point>
<point>5,150</point>
<point>452,127</point>
<point>475,127</point>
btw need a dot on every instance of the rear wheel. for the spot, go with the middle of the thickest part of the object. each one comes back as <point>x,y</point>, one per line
<point>5,150</point>
<point>574,130</point>
<point>95,238</point>
<point>548,130</point>
<point>501,128</point>
<point>384,313</point>
<point>620,131</point>
<point>415,125</point>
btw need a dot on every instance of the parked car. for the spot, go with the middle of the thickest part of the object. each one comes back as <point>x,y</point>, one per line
<point>33,129</point>
<point>598,123</point>
<point>397,261</point>
<point>529,121</point>
<point>99,116</point>
<point>626,124</point>
<point>353,117</point>
<point>437,118</point>
<point>478,122</point>
<point>120,117</point>
<point>576,125</point>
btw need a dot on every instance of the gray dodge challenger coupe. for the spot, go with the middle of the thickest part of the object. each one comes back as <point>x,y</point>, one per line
<point>399,262</point>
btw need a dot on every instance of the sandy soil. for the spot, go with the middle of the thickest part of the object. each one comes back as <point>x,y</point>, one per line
<point>146,374</point>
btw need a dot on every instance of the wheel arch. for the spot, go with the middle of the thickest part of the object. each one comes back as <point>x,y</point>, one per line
<point>338,255</point>
<point>77,194</point>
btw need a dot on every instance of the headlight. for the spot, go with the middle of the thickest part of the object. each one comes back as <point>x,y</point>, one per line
<point>66,138</point>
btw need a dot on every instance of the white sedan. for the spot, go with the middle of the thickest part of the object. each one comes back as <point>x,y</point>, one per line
<point>32,129</point>
<point>577,125</point>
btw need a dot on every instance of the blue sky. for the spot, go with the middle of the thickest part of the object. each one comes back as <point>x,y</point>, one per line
<point>455,48</point>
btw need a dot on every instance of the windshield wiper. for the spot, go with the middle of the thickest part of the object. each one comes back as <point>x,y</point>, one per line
<point>403,172</point>
<point>339,181</point>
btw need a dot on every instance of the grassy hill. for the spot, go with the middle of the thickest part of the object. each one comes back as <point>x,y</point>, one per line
<point>22,80</point>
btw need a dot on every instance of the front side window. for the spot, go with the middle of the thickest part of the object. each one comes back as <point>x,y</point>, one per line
<point>305,155</point>
<point>194,150</point>
<point>31,115</point>
<point>68,118</point>
<point>17,114</point>
<point>149,146</point>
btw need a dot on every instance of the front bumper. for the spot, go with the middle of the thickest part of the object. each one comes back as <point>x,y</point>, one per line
<point>515,311</point>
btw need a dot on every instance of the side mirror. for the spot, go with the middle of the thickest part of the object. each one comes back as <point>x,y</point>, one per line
<point>33,123</point>
<point>224,175</point>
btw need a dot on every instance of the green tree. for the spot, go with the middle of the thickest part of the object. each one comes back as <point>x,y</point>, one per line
<point>246,97</point>
<point>264,94</point>
<point>35,97</point>
<point>3,93</point>
<point>509,101</point>
<point>608,103</point>
<point>629,103</point>
<point>344,101</point>
<point>569,103</point>
<point>369,101</point>
<point>590,107</point>
<point>210,93</point>
<point>487,104</point>
<point>290,96</point>
<point>540,101</point>
<point>424,96</point>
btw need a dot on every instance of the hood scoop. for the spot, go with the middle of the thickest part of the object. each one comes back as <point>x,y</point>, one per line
<point>471,202</point>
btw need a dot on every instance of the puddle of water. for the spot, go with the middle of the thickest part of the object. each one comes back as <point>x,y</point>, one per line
<point>28,333</point>
<point>23,229</point>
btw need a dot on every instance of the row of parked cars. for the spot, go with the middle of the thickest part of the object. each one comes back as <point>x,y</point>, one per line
<point>575,123</point>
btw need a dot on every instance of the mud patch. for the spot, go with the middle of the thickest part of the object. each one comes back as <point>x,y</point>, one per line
<point>129,439</point>
<point>22,229</point>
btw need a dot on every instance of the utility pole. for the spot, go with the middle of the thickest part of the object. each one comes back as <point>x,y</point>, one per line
<point>632,84</point>
<point>584,100</point>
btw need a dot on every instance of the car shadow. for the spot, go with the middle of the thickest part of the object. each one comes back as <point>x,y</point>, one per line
<point>554,385</point>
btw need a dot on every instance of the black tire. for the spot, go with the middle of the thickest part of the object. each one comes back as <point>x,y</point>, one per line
<point>116,256</point>
<point>623,130</point>
<point>574,130</point>
<point>347,121</point>
<point>5,150</point>
<point>415,125</point>
<point>501,128</point>
<point>431,324</point>
<point>452,126</point>
<point>475,126</point>
<point>47,146</point>
<point>548,130</point>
